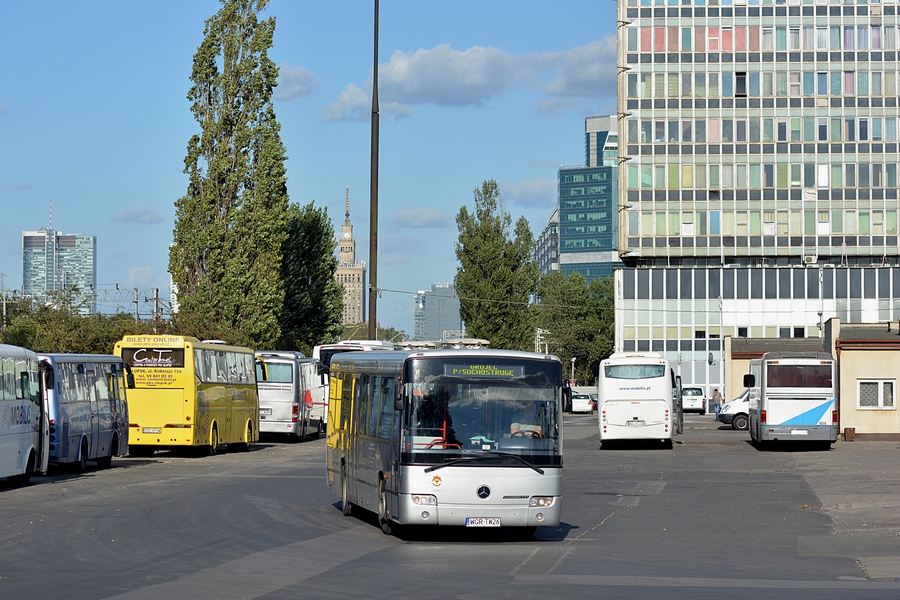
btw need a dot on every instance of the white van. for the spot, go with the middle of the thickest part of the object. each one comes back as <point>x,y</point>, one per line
<point>737,412</point>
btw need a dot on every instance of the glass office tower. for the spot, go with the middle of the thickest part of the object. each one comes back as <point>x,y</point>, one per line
<point>758,166</point>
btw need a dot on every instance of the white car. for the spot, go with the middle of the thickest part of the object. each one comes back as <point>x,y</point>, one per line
<point>737,412</point>
<point>582,403</point>
<point>693,398</point>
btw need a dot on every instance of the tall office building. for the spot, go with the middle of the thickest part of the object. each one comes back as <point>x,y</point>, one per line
<point>350,273</point>
<point>436,314</point>
<point>55,261</point>
<point>758,172</point>
<point>581,235</point>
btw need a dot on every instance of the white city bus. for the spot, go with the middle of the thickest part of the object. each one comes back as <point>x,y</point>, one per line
<point>292,394</point>
<point>638,398</point>
<point>792,398</point>
<point>427,437</point>
<point>24,428</point>
<point>86,405</point>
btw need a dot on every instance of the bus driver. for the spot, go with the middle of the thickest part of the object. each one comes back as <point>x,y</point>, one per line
<point>525,423</point>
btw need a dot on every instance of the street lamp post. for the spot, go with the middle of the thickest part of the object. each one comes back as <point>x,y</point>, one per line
<point>573,368</point>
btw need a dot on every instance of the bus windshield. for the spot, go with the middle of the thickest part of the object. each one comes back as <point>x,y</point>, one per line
<point>634,371</point>
<point>465,407</point>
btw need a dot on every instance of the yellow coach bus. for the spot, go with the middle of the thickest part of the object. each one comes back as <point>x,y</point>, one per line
<point>189,393</point>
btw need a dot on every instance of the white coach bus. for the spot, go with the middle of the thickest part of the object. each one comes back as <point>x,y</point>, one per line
<point>292,394</point>
<point>24,427</point>
<point>465,437</point>
<point>638,398</point>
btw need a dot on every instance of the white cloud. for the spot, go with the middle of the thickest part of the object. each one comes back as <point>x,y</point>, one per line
<point>587,71</point>
<point>423,217</point>
<point>353,104</point>
<point>139,277</point>
<point>143,216</point>
<point>450,77</point>
<point>531,193</point>
<point>472,77</point>
<point>294,82</point>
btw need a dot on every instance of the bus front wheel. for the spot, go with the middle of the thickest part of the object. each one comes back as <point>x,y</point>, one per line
<point>25,477</point>
<point>383,519</point>
<point>80,465</point>
<point>346,507</point>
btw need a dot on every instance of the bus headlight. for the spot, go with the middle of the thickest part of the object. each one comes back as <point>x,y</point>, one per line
<point>540,501</point>
<point>424,499</point>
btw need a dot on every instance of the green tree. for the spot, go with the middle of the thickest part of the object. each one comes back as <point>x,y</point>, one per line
<point>231,223</point>
<point>580,319</point>
<point>56,326</point>
<point>497,275</point>
<point>313,298</point>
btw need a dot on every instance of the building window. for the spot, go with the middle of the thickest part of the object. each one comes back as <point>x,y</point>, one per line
<point>740,83</point>
<point>742,332</point>
<point>878,394</point>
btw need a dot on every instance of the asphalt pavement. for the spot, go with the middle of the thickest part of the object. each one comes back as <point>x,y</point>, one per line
<point>858,487</point>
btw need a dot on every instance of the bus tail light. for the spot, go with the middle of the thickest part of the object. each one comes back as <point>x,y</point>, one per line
<point>762,416</point>
<point>295,413</point>
<point>834,417</point>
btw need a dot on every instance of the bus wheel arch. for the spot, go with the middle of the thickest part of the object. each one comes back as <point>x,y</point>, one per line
<point>25,477</point>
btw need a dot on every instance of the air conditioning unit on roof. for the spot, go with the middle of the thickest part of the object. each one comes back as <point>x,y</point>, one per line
<point>810,259</point>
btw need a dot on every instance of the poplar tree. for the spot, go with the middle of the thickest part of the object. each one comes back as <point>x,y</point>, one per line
<point>313,300</point>
<point>231,223</point>
<point>497,274</point>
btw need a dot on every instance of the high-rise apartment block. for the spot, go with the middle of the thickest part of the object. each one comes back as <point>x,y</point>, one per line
<point>54,261</point>
<point>436,314</point>
<point>758,158</point>
<point>350,273</point>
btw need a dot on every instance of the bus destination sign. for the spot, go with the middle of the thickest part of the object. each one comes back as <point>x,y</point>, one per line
<point>483,370</point>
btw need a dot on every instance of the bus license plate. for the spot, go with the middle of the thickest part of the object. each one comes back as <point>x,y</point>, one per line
<point>483,522</point>
<point>151,430</point>
<point>265,411</point>
<point>636,423</point>
<point>799,432</point>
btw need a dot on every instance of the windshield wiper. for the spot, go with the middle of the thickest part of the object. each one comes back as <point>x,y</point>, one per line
<point>482,456</point>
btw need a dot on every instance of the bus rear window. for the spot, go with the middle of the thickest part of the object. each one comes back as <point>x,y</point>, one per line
<point>634,371</point>
<point>798,376</point>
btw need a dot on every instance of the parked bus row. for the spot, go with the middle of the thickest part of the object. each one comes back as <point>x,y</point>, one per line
<point>792,397</point>
<point>60,409</point>
<point>71,409</point>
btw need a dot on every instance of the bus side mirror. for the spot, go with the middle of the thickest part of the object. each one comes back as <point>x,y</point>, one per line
<point>749,380</point>
<point>129,381</point>
<point>399,392</point>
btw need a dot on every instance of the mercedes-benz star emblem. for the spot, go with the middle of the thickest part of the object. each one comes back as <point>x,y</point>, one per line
<point>483,491</point>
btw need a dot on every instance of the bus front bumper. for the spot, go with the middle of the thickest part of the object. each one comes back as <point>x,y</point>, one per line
<point>509,515</point>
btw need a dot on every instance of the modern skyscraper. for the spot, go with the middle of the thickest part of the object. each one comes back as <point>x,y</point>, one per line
<point>582,233</point>
<point>55,261</point>
<point>758,172</point>
<point>350,273</point>
<point>436,314</point>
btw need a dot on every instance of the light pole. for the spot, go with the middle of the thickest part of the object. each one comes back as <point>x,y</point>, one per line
<point>573,368</point>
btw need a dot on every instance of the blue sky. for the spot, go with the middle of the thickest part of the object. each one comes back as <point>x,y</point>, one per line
<point>94,118</point>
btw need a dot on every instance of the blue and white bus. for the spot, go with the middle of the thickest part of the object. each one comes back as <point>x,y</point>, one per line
<point>86,406</point>
<point>792,398</point>
<point>24,431</point>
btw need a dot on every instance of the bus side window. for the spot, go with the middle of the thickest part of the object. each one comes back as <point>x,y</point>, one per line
<point>386,400</point>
